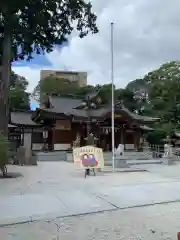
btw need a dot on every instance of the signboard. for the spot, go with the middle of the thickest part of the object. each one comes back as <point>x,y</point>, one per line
<point>88,157</point>
<point>63,125</point>
<point>117,116</point>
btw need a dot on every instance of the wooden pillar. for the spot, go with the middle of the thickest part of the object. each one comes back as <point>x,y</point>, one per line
<point>31,138</point>
<point>137,139</point>
<point>21,129</point>
<point>53,137</point>
<point>124,138</point>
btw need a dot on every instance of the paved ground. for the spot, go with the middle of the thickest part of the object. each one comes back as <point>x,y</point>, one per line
<point>159,222</point>
<point>59,190</point>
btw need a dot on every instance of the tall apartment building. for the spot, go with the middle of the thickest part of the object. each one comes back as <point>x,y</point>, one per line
<point>79,77</point>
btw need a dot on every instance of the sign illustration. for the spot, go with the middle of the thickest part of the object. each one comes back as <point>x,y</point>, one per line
<point>88,157</point>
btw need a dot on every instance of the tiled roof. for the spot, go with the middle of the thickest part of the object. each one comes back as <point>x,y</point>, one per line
<point>146,128</point>
<point>22,118</point>
<point>177,134</point>
<point>139,117</point>
<point>66,105</point>
<point>11,126</point>
<point>69,105</point>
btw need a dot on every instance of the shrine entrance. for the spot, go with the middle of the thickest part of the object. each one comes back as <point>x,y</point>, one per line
<point>124,133</point>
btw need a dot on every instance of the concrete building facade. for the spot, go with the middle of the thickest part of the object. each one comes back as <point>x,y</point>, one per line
<point>79,77</point>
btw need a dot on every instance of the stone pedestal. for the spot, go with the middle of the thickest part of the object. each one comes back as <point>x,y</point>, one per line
<point>33,160</point>
<point>27,146</point>
<point>167,160</point>
<point>21,155</point>
<point>23,159</point>
<point>120,162</point>
<point>69,157</point>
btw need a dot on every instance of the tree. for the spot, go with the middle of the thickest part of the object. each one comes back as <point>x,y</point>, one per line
<point>53,84</point>
<point>140,92</point>
<point>19,98</point>
<point>83,91</point>
<point>138,86</point>
<point>164,91</point>
<point>127,97</point>
<point>17,81</point>
<point>162,88</point>
<point>36,26</point>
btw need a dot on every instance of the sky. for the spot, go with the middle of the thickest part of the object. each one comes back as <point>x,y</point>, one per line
<point>146,34</point>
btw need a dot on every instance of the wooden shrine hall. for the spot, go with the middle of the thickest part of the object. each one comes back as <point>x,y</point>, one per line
<point>68,119</point>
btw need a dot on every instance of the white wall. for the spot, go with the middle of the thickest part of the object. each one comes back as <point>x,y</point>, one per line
<point>37,146</point>
<point>129,146</point>
<point>59,146</point>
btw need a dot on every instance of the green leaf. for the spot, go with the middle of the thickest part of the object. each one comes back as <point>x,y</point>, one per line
<point>36,26</point>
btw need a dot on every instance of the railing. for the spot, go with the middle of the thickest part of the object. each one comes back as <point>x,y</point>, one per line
<point>157,150</point>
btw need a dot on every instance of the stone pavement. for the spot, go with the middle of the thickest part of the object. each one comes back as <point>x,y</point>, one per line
<point>158,222</point>
<point>53,190</point>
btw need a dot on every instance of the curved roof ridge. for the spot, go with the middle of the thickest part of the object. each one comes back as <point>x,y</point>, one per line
<point>63,95</point>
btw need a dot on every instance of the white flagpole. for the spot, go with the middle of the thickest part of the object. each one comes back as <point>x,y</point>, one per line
<point>112,81</point>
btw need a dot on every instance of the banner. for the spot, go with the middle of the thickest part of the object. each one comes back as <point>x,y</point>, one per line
<point>88,157</point>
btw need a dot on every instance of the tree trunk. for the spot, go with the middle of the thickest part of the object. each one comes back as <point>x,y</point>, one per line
<point>4,82</point>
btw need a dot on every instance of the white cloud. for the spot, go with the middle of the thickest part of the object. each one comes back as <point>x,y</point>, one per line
<point>31,74</point>
<point>146,34</point>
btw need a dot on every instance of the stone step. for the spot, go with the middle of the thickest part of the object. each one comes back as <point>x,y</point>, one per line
<point>53,153</point>
<point>64,156</point>
<point>108,157</point>
<point>136,162</point>
<point>130,161</point>
<point>55,156</point>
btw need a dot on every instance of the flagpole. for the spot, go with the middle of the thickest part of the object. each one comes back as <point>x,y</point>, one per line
<point>112,81</point>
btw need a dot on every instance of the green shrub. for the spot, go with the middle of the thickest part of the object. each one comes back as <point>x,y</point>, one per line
<point>156,137</point>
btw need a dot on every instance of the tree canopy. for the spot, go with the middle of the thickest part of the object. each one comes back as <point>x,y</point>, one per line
<point>28,27</point>
<point>17,81</point>
<point>31,26</point>
<point>36,26</point>
<point>161,89</point>
<point>19,98</point>
<point>52,84</point>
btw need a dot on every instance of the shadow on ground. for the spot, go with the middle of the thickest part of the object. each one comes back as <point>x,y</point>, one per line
<point>11,175</point>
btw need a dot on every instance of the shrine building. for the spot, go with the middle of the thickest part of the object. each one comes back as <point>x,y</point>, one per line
<point>67,119</point>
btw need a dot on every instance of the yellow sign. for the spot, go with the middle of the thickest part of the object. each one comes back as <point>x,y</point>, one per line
<point>117,116</point>
<point>88,157</point>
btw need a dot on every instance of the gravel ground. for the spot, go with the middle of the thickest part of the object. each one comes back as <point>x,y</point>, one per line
<point>149,223</point>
